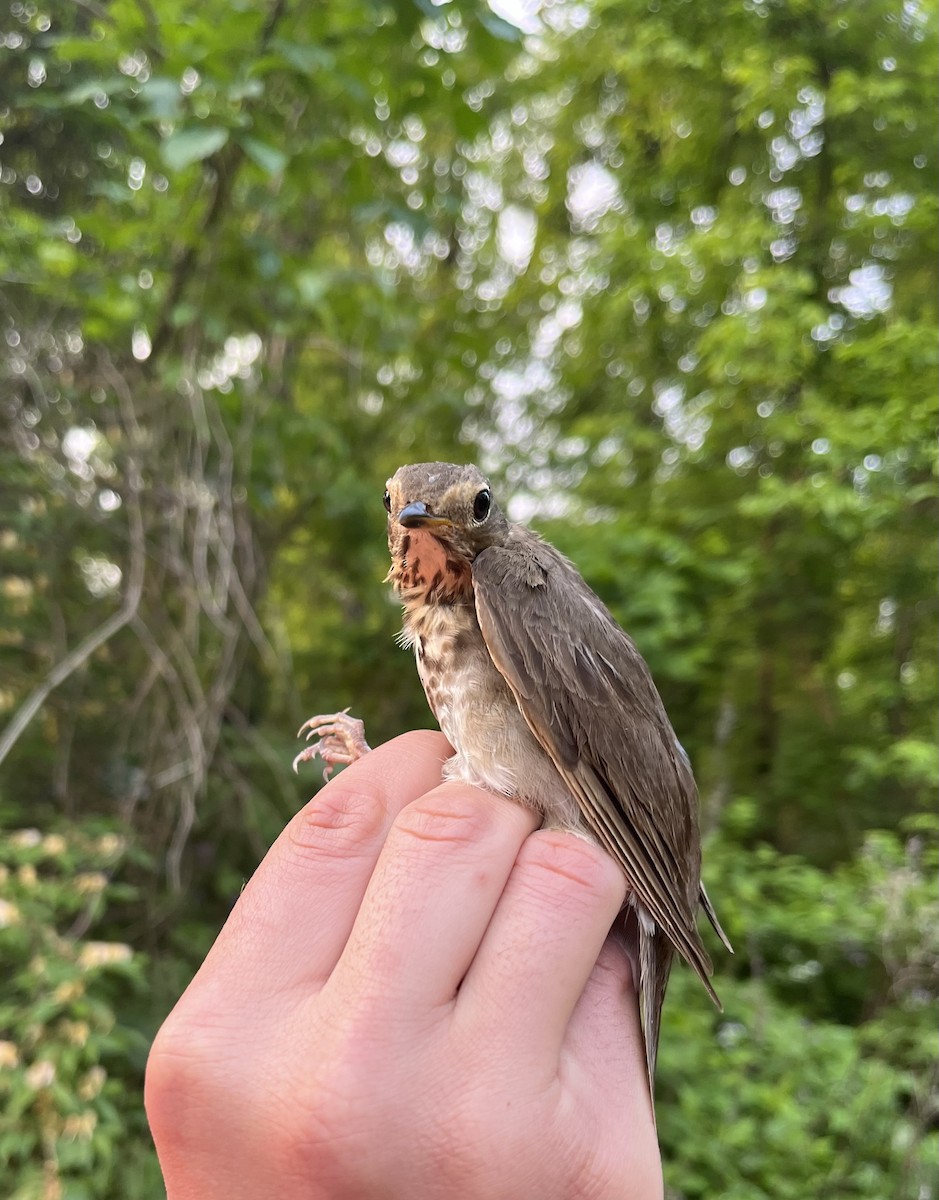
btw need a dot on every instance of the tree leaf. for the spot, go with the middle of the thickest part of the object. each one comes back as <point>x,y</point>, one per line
<point>163,97</point>
<point>193,144</point>
<point>269,158</point>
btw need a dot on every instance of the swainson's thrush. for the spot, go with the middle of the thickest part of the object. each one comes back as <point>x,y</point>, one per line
<point>545,699</point>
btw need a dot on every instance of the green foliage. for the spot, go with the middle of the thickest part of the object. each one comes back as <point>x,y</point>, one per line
<point>749,393</point>
<point>825,1047</point>
<point>252,258</point>
<point>68,1056</point>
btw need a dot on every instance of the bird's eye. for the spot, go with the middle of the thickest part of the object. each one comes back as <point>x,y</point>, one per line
<point>482,505</point>
<point>387,500</point>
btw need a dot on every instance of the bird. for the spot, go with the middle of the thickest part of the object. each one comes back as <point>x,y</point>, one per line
<point>545,699</point>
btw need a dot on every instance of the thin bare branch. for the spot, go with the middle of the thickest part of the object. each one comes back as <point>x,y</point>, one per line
<point>95,640</point>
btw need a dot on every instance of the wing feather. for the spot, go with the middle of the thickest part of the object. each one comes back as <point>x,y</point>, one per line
<point>588,698</point>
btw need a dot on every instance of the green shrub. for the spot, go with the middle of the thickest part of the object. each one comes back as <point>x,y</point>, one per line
<point>818,1077</point>
<point>71,1114</point>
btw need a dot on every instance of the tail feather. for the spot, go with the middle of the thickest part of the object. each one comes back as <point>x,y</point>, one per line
<point>655,963</point>
<point>712,917</point>
<point>652,961</point>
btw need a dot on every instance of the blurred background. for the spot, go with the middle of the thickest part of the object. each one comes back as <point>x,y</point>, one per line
<point>668,271</point>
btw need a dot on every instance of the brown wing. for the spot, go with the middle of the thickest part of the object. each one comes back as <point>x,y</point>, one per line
<point>589,699</point>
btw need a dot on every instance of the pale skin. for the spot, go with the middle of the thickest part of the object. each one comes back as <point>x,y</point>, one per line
<point>415,996</point>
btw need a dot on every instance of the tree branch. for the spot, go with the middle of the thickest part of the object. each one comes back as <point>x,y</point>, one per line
<point>84,650</point>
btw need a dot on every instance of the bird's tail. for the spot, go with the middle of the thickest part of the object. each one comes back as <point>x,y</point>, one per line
<point>650,953</point>
<point>655,963</point>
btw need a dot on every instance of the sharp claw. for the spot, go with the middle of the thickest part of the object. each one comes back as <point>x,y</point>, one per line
<point>338,741</point>
<point>313,722</point>
<point>304,756</point>
<point>324,731</point>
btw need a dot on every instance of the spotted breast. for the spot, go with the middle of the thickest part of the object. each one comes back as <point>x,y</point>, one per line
<point>471,700</point>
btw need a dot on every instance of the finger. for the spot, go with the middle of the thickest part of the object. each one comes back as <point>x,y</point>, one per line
<point>291,922</point>
<point>602,1070</point>
<point>542,943</point>
<point>440,875</point>
<point>603,1045</point>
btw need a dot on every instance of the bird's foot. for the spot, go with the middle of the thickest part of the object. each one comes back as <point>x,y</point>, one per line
<point>341,740</point>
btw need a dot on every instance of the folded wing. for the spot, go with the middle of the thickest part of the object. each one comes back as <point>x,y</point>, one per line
<point>589,699</point>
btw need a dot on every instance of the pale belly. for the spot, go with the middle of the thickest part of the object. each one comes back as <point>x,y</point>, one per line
<point>477,712</point>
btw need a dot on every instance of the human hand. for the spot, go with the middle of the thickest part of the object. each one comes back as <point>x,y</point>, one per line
<point>414,996</point>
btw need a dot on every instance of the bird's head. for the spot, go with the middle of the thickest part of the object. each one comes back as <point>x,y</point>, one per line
<point>440,516</point>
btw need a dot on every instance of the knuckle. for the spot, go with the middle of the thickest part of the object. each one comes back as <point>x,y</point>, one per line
<point>169,1074</point>
<point>182,1067</point>
<point>564,860</point>
<point>341,813</point>
<point>454,816</point>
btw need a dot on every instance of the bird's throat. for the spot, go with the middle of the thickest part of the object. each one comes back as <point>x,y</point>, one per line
<point>425,570</point>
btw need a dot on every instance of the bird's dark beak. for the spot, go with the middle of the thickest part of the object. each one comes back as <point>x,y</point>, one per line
<point>416,516</point>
